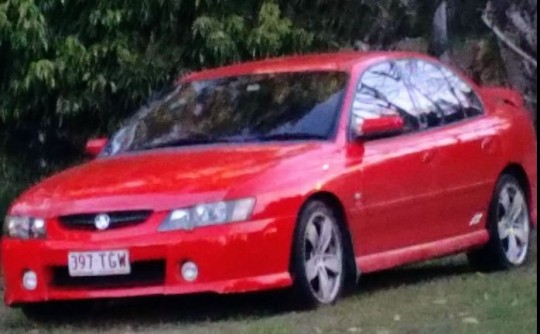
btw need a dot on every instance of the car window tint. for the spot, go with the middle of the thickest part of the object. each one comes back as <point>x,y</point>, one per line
<point>435,99</point>
<point>382,92</point>
<point>247,108</point>
<point>470,102</point>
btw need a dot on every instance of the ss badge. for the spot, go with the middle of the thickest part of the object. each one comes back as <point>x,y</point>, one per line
<point>477,219</point>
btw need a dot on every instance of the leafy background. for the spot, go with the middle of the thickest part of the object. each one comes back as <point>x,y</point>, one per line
<point>73,69</point>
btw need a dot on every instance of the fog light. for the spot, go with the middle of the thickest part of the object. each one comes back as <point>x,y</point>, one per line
<point>190,271</point>
<point>30,280</point>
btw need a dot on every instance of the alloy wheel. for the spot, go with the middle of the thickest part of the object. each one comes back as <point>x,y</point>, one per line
<point>514,224</point>
<point>323,258</point>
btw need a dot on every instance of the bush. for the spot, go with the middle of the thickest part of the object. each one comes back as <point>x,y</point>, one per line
<point>66,79</point>
<point>13,179</point>
<point>71,69</point>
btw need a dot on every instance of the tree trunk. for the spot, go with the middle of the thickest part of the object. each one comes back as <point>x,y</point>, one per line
<point>440,43</point>
<point>515,25</point>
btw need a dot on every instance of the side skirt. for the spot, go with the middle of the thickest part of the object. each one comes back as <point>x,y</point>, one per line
<point>419,253</point>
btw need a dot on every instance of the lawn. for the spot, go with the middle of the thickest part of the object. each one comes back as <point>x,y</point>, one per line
<point>443,296</point>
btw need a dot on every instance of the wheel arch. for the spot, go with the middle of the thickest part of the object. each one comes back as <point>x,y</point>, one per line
<point>335,203</point>
<point>517,171</point>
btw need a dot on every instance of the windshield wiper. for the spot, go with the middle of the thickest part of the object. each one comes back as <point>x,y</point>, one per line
<point>291,136</point>
<point>203,140</point>
<point>208,140</point>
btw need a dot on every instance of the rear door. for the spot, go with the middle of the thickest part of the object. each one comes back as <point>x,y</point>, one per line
<point>467,145</point>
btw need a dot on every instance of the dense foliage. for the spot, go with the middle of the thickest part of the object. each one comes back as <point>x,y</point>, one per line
<point>73,68</point>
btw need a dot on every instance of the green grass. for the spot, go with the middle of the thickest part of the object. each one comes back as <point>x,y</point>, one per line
<point>443,296</point>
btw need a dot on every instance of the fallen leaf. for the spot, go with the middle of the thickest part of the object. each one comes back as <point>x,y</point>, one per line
<point>471,321</point>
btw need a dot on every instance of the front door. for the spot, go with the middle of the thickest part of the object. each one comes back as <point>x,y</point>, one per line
<point>398,174</point>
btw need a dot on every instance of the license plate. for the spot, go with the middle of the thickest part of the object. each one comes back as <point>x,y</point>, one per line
<point>105,263</point>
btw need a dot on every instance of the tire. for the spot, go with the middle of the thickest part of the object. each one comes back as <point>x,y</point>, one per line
<point>509,224</point>
<point>318,261</point>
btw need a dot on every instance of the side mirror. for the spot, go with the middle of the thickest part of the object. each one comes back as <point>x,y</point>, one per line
<point>95,146</point>
<point>380,127</point>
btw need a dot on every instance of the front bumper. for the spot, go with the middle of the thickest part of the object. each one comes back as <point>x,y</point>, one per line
<point>235,258</point>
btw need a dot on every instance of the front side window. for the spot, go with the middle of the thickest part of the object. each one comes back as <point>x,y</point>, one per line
<point>278,106</point>
<point>382,92</point>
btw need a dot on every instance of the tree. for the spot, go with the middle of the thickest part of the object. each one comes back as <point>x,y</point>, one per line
<point>64,79</point>
<point>515,25</point>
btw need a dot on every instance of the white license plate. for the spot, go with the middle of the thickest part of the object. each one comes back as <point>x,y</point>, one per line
<point>105,263</point>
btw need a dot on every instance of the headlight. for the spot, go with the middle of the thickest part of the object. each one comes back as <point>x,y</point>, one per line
<point>24,227</point>
<point>209,215</point>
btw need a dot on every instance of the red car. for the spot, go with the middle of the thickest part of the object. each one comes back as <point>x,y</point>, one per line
<point>301,172</point>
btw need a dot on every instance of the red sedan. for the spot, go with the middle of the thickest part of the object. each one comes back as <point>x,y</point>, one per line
<point>301,172</point>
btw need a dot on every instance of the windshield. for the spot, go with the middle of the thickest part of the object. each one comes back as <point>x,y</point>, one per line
<point>279,106</point>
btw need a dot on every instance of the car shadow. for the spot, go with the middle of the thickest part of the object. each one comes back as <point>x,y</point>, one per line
<point>193,309</point>
<point>417,274</point>
<point>189,309</point>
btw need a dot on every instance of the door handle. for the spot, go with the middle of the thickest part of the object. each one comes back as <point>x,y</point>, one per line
<point>428,156</point>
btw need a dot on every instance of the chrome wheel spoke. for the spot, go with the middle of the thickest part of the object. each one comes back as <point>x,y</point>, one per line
<point>325,285</point>
<point>333,263</point>
<point>505,200</point>
<point>504,231</point>
<point>326,236</point>
<point>311,269</point>
<point>513,249</point>
<point>522,235</point>
<point>312,235</point>
<point>517,207</point>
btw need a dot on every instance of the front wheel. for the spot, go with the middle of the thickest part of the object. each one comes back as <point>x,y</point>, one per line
<point>318,256</point>
<point>509,227</point>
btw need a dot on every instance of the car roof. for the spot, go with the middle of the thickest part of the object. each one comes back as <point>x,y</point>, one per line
<point>342,61</point>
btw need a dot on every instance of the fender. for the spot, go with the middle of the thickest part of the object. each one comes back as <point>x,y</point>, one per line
<point>505,95</point>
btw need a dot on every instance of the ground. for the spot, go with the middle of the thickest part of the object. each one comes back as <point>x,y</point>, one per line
<point>444,296</point>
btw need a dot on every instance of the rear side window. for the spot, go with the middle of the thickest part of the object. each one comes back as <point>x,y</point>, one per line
<point>426,95</point>
<point>434,97</point>
<point>470,102</point>
<point>441,97</point>
<point>383,92</point>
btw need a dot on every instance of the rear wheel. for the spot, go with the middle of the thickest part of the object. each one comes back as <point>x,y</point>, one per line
<point>318,262</point>
<point>509,227</point>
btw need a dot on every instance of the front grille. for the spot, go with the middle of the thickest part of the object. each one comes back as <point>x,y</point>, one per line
<point>143,274</point>
<point>117,220</point>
